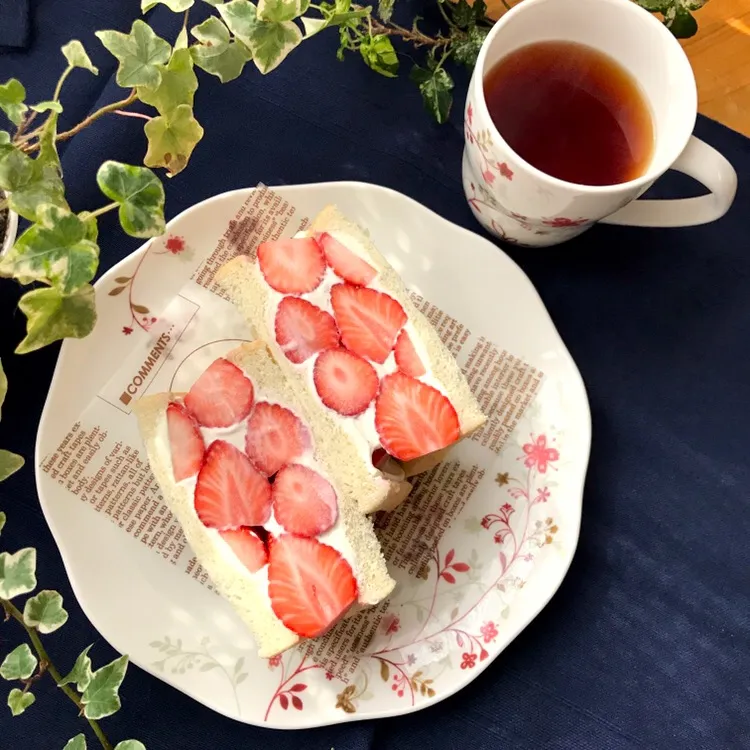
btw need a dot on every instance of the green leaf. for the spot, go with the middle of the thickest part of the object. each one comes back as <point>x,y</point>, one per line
<point>313,25</point>
<point>3,518</point>
<point>385,9</point>
<point>466,49</point>
<point>3,386</point>
<point>214,2</point>
<point>55,251</point>
<point>45,612</point>
<point>177,86</point>
<point>81,672</point>
<point>19,664</point>
<point>10,463</point>
<point>77,743</point>
<point>680,21</point>
<point>270,42</point>
<point>19,701</point>
<point>139,53</point>
<point>53,316</point>
<point>12,94</point>
<point>281,10</point>
<point>463,14</point>
<point>47,106</point>
<point>90,224</point>
<point>654,6</point>
<point>172,139</point>
<point>77,56</point>
<point>176,5</point>
<point>140,195</point>
<point>378,54</point>
<point>17,573</point>
<point>435,86</point>
<point>216,54</point>
<point>101,699</point>
<point>130,745</point>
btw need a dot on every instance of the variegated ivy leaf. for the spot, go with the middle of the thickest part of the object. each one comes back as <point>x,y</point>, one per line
<point>90,224</point>
<point>18,701</point>
<point>81,672</point>
<point>214,2</point>
<point>45,612</point>
<point>77,743</point>
<point>435,85</point>
<point>379,55</point>
<point>281,10</point>
<point>313,25</point>
<point>182,39</point>
<point>269,41</point>
<point>3,518</point>
<point>130,745</point>
<point>12,95</point>
<point>176,5</point>
<point>216,54</point>
<point>171,139</point>
<point>140,195</point>
<point>77,56</point>
<point>17,573</point>
<point>52,316</point>
<point>680,21</point>
<point>139,53</point>
<point>10,463</point>
<point>178,84</point>
<point>47,106</point>
<point>55,251</point>
<point>3,386</point>
<point>19,664</point>
<point>101,697</point>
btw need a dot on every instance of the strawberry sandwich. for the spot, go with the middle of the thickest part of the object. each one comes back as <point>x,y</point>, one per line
<point>340,323</point>
<point>265,498</point>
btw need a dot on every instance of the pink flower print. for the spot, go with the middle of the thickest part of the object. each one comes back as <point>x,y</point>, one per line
<point>274,661</point>
<point>538,454</point>
<point>489,176</point>
<point>470,114</point>
<point>391,624</point>
<point>543,495</point>
<point>528,557</point>
<point>505,170</point>
<point>488,631</point>
<point>469,660</point>
<point>411,660</point>
<point>329,676</point>
<point>127,330</point>
<point>175,244</point>
<point>507,507</point>
<point>561,222</point>
<point>486,522</point>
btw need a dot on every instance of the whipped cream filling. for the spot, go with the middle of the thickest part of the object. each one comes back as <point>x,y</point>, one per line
<point>334,537</point>
<point>361,428</point>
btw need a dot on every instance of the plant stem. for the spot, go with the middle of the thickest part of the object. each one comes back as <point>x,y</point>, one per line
<point>88,120</point>
<point>12,611</point>
<point>410,35</point>
<point>103,210</point>
<point>59,86</point>
<point>124,113</point>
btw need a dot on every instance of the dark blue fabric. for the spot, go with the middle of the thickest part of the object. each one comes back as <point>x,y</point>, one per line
<point>14,24</point>
<point>646,645</point>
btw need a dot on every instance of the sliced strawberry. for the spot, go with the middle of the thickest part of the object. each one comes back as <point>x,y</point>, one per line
<point>248,547</point>
<point>345,264</point>
<point>222,395</point>
<point>368,320</point>
<point>310,584</point>
<point>345,382</point>
<point>230,491</point>
<point>407,359</point>
<point>293,266</point>
<point>412,418</point>
<point>275,436</point>
<point>302,329</point>
<point>185,442</point>
<point>304,502</point>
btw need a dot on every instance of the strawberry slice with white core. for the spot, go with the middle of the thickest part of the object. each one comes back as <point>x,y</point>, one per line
<point>302,329</point>
<point>310,584</point>
<point>345,382</point>
<point>345,264</point>
<point>369,321</point>
<point>248,547</point>
<point>304,502</point>
<point>185,442</point>
<point>230,491</point>
<point>412,418</point>
<point>294,266</point>
<point>407,358</point>
<point>275,436</point>
<point>222,395</point>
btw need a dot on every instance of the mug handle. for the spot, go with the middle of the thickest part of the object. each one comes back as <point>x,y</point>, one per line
<point>703,163</point>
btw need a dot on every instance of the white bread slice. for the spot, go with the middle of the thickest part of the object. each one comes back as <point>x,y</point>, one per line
<point>231,579</point>
<point>242,280</point>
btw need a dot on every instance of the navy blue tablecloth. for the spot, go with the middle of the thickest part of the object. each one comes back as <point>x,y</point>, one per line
<point>647,642</point>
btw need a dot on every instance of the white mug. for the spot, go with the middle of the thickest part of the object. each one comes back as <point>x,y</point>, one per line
<point>517,202</point>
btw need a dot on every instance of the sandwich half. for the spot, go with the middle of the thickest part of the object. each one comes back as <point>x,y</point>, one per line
<point>342,326</point>
<point>264,499</point>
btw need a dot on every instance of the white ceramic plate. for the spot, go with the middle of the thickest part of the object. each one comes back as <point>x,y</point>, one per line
<point>505,554</point>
